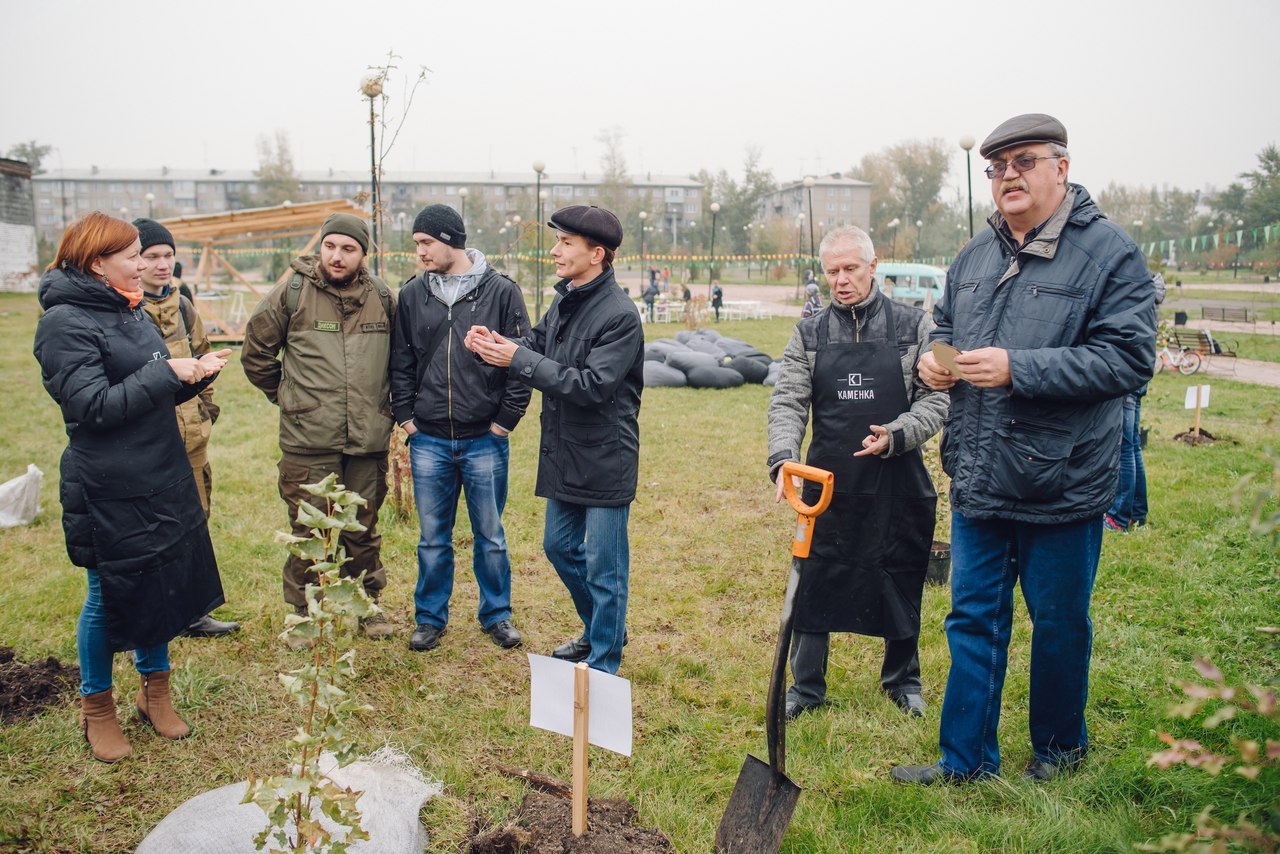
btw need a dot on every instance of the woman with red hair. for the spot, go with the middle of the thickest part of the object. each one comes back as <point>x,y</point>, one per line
<point>130,510</point>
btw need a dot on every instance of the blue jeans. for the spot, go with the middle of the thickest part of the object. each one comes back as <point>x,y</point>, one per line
<point>95,651</point>
<point>1056,566</point>
<point>1130,505</point>
<point>588,547</point>
<point>442,469</point>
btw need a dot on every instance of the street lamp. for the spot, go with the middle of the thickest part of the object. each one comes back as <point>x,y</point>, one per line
<point>124,213</point>
<point>715,209</point>
<point>799,250</point>
<point>894,223</point>
<point>809,181</point>
<point>644,268</point>
<point>462,194</point>
<point>688,246</point>
<point>919,236</point>
<point>151,205</point>
<point>966,142</point>
<point>538,168</point>
<point>1235,268</point>
<point>371,88</point>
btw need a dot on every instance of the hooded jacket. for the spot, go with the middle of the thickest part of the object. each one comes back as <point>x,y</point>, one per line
<point>586,356</point>
<point>450,393</point>
<point>129,504</point>
<point>1075,308</point>
<point>172,312</point>
<point>330,381</point>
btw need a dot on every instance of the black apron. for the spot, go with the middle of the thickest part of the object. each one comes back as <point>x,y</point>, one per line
<point>866,570</point>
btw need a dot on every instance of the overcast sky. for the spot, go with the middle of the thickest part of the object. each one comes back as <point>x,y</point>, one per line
<point>1180,93</point>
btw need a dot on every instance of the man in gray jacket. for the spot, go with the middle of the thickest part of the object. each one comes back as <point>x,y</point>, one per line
<point>853,365</point>
<point>458,412</point>
<point>1053,310</point>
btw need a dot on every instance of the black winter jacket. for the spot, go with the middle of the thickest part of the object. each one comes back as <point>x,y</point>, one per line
<point>451,393</point>
<point>129,504</point>
<point>586,356</point>
<point>1075,308</point>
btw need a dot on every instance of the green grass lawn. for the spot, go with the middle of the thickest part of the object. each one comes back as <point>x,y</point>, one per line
<point>710,556</point>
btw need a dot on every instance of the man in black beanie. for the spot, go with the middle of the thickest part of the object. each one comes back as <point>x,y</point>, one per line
<point>183,331</point>
<point>458,412</point>
<point>586,356</point>
<point>332,318</point>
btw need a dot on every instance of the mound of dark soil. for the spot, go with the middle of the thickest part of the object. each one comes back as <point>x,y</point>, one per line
<point>28,689</point>
<point>544,825</point>
<point>1205,438</point>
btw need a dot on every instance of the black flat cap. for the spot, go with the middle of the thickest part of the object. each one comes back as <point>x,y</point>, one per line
<point>594,223</point>
<point>1024,129</point>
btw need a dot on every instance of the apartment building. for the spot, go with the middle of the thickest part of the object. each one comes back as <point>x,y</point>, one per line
<point>837,201</point>
<point>62,195</point>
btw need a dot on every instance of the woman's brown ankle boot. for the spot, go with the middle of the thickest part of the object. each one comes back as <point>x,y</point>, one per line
<point>100,727</point>
<point>156,708</point>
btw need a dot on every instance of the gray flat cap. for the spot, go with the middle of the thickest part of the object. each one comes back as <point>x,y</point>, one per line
<point>1024,129</point>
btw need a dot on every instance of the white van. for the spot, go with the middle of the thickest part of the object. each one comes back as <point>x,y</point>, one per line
<point>920,285</point>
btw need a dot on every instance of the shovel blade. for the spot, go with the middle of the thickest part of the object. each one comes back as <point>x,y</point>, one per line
<point>759,810</point>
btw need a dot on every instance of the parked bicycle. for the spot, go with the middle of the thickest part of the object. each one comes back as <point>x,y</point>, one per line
<point>1184,361</point>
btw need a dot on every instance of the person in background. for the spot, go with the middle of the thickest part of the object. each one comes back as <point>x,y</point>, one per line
<point>130,509</point>
<point>650,297</point>
<point>1129,510</point>
<point>812,301</point>
<point>717,298</point>
<point>183,331</point>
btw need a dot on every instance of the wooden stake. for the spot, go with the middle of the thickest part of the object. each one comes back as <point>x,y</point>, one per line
<point>1196,432</point>
<point>581,707</point>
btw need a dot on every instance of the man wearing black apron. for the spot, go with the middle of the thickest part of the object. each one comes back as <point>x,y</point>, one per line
<point>853,364</point>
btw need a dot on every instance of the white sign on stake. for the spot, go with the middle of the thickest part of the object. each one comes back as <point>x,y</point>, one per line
<point>1191,397</point>
<point>551,703</point>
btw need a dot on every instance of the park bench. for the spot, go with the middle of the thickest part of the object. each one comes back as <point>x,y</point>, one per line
<point>1224,313</point>
<point>1202,343</point>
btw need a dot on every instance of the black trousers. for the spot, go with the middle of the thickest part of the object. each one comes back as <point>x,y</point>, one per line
<point>899,674</point>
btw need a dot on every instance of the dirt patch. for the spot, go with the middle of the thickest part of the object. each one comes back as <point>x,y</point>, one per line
<point>28,689</point>
<point>543,825</point>
<point>1205,438</point>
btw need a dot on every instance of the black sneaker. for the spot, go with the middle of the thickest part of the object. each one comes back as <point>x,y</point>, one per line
<point>924,775</point>
<point>504,634</point>
<point>425,637</point>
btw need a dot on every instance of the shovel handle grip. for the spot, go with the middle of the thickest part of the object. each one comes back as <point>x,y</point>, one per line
<point>809,473</point>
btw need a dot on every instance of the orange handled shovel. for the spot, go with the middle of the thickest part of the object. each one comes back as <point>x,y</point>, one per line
<point>763,799</point>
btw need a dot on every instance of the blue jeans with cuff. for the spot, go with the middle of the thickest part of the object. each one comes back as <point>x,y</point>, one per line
<point>1055,566</point>
<point>589,549</point>
<point>94,650</point>
<point>442,470</point>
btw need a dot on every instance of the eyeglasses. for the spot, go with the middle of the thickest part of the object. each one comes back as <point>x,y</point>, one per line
<point>1021,163</point>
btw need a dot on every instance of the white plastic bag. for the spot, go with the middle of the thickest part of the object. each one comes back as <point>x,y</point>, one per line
<point>215,822</point>
<point>20,497</point>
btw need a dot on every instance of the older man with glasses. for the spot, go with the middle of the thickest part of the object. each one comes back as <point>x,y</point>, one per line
<point>1052,311</point>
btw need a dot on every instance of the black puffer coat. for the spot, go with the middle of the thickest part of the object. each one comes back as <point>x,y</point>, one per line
<point>586,356</point>
<point>129,504</point>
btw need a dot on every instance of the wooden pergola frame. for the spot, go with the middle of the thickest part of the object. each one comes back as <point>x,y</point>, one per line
<point>214,232</point>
